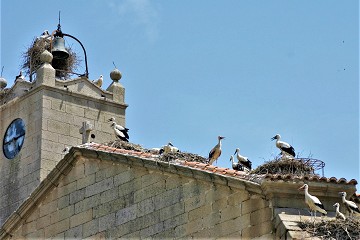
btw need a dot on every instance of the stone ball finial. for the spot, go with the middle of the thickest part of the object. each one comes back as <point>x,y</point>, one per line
<point>3,83</point>
<point>46,57</point>
<point>115,75</point>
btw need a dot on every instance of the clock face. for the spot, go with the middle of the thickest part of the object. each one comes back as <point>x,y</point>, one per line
<point>14,138</point>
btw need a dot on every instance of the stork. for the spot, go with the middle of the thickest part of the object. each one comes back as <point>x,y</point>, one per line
<point>283,146</point>
<point>215,153</point>
<point>236,165</point>
<point>45,35</point>
<point>120,131</point>
<point>338,213</point>
<point>351,206</point>
<point>99,81</point>
<point>20,77</point>
<point>169,148</point>
<point>243,160</point>
<point>313,202</point>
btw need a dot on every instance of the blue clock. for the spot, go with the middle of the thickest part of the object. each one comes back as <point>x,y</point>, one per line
<point>14,138</point>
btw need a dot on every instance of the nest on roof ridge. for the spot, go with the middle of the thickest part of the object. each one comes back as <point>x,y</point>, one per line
<point>284,166</point>
<point>333,229</point>
<point>165,157</point>
<point>190,157</point>
<point>31,59</point>
<point>127,146</point>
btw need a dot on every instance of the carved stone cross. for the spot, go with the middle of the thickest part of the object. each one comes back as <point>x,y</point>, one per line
<point>85,131</point>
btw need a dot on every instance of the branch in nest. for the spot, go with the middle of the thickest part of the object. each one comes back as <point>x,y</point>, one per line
<point>31,59</point>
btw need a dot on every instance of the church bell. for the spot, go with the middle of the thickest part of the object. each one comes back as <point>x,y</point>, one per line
<point>58,49</point>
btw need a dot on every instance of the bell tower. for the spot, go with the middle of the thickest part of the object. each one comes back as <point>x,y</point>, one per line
<point>39,119</point>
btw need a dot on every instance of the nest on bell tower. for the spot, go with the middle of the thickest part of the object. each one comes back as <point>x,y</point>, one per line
<point>31,59</point>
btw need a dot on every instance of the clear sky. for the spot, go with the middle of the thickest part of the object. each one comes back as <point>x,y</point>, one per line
<point>196,69</point>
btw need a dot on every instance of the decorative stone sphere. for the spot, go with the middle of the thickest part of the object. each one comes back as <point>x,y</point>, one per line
<point>3,83</point>
<point>115,75</point>
<point>46,56</point>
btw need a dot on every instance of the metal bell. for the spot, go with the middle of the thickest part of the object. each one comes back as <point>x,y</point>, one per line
<point>58,49</point>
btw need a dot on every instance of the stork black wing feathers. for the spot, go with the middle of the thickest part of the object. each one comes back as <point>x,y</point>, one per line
<point>289,150</point>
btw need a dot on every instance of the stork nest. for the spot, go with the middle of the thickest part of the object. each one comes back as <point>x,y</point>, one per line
<point>284,166</point>
<point>333,229</point>
<point>127,146</point>
<point>31,59</point>
<point>190,157</point>
<point>166,157</point>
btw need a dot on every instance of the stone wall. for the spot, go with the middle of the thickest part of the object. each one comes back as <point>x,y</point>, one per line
<point>99,198</point>
<point>53,116</point>
<point>20,175</point>
<point>63,115</point>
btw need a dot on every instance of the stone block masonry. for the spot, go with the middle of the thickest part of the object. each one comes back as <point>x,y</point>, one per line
<point>108,199</point>
<point>53,117</point>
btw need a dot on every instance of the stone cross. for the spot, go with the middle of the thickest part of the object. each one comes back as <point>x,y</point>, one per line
<point>85,131</point>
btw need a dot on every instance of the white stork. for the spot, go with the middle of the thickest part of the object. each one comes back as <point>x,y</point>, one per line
<point>99,81</point>
<point>351,206</point>
<point>338,213</point>
<point>283,146</point>
<point>120,131</point>
<point>243,160</point>
<point>20,77</point>
<point>215,153</point>
<point>45,35</point>
<point>236,165</point>
<point>312,201</point>
<point>169,148</point>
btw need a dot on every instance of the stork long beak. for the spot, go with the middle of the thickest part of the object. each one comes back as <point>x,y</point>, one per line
<point>235,152</point>
<point>301,188</point>
<point>109,120</point>
<point>273,138</point>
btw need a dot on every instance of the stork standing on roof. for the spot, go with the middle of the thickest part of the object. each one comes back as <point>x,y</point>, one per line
<point>338,213</point>
<point>243,160</point>
<point>350,206</point>
<point>313,202</point>
<point>120,131</point>
<point>99,81</point>
<point>169,148</point>
<point>215,153</point>
<point>236,165</point>
<point>284,147</point>
<point>20,77</point>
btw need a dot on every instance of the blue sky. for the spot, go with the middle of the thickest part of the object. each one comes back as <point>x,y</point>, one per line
<point>194,70</point>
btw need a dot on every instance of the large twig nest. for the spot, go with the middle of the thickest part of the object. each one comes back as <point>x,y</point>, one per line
<point>127,146</point>
<point>165,157</point>
<point>190,157</point>
<point>284,166</point>
<point>31,59</point>
<point>333,229</point>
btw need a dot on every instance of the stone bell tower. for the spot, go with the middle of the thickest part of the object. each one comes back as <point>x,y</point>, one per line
<point>39,119</point>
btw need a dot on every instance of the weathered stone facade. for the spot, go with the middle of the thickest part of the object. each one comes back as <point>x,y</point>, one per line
<point>53,112</point>
<point>117,196</point>
<point>99,192</point>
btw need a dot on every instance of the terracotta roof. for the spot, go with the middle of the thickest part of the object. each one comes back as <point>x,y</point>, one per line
<point>219,170</point>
